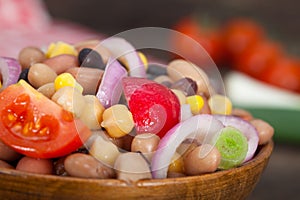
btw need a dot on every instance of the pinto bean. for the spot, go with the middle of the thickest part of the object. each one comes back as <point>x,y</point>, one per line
<point>29,56</point>
<point>195,163</point>
<point>86,166</point>
<point>61,63</point>
<point>7,153</point>
<point>264,129</point>
<point>4,164</point>
<point>35,165</point>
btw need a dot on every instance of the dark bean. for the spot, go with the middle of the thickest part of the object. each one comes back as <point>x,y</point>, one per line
<point>187,85</point>
<point>24,74</point>
<point>59,167</point>
<point>90,58</point>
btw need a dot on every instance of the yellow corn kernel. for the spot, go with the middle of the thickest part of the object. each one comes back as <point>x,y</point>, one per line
<point>117,120</point>
<point>143,59</point>
<point>66,79</point>
<point>59,48</point>
<point>220,104</point>
<point>196,102</point>
<point>176,164</point>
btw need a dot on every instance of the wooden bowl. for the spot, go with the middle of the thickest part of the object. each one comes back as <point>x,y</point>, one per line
<point>235,183</point>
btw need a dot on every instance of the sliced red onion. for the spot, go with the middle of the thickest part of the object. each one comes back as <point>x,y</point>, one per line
<point>200,127</point>
<point>120,47</point>
<point>185,112</point>
<point>246,128</point>
<point>10,70</point>
<point>110,88</point>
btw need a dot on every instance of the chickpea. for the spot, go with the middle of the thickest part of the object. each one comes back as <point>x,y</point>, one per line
<point>104,150</point>
<point>132,166</point>
<point>117,120</point>
<point>92,112</point>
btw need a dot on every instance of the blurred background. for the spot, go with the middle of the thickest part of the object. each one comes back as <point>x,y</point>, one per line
<point>279,19</point>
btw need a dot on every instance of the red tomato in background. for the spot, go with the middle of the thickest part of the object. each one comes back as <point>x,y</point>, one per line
<point>257,58</point>
<point>285,73</point>
<point>239,35</point>
<point>35,126</point>
<point>209,39</point>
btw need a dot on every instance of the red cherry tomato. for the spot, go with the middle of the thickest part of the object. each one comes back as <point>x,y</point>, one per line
<point>256,59</point>
<point>239,35</point>
<point>285,73</point>
<point>35,126</point>
<point>154,107</point>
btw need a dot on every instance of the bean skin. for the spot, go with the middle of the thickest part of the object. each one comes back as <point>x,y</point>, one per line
<point>40,74</point>
<point>86,166</point>
<point>35,165</point>
<point>62,63</point>
<point>146,143</point>
<point>5,165</point>
<point>264,129</point>
<point>194,164</point>
<point>132,166</point>
<point>7,153</point>
<point>29,56</point>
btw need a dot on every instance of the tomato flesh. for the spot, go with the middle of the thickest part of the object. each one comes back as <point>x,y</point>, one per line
<point>154,107</point>
<point>37,127</point>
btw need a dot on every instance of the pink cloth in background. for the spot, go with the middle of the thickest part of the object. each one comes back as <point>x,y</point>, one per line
<point>28,23</point>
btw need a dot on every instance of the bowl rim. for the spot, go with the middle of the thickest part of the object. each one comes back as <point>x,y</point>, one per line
<point>262,155</point>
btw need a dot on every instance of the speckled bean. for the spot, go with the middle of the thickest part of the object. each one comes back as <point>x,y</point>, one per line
<point>48,90</point>
<point>264,129</point>
<point>94,44</point>
<point>86,166</point>
<point>35,165</point>
<point>5,165</point>
<point>40,74</point>
<point>195,163</point>
<point>146,143</point>
<point>62,63</point>
<point>7,153</point>
<point>179,69</point>
<point>88,78</point>
<point>29,56</point>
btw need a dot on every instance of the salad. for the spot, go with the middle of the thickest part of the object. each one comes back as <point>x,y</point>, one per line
<point>92,110</point>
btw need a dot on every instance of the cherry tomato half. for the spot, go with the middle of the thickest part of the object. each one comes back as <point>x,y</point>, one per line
<point>208,38</point>
<point>256,59</point>
<point>285,73</point>
<point>239,35</point>
<point>35,126</point>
